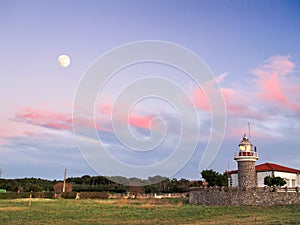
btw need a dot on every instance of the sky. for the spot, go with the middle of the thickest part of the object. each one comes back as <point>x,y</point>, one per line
<point>251,47</point>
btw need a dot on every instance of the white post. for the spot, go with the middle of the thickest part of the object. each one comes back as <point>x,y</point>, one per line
<point>64,184</point>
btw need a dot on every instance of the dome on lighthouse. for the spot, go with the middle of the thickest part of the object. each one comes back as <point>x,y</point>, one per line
<point>245,141</point>
<point>245,144</point>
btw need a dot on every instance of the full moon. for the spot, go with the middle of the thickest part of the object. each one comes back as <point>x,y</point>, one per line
<point>64,60</point>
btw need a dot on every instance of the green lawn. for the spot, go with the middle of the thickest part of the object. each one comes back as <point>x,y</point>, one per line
<point>60,211</point>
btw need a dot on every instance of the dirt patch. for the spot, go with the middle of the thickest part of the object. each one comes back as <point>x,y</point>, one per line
<point>4,209</point>
<point>33,199</point>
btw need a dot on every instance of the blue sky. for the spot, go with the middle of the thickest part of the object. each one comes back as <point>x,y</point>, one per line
<point>251,46</point>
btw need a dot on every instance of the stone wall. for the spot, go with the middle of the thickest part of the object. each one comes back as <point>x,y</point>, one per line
<point>238,197</point>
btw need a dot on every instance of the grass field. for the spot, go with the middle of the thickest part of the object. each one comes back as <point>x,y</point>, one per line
<point>150,211</point>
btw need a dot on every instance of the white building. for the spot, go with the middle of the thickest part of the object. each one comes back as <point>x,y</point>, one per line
<point>291,176</point>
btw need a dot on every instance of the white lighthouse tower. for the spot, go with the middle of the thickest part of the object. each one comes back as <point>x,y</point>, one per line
<point>246,159</point>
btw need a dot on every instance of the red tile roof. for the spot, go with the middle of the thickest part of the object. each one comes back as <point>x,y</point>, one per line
<point>271,167</point>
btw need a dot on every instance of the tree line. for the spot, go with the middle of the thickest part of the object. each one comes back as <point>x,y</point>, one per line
<point>27,184</point>
<point>86,183</point>
<point>116,184</point>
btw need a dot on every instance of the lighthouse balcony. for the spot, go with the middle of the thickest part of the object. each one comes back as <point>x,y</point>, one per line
<point>245,154</point>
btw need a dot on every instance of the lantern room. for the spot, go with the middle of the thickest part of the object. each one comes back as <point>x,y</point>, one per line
<point>246,150</point>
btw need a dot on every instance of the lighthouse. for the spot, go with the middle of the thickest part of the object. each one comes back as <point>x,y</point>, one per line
<point>246,159</point>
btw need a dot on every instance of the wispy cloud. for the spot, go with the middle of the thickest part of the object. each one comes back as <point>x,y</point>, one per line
<point>267,98</point>
<point>49,119</point>
<point>274,85</point>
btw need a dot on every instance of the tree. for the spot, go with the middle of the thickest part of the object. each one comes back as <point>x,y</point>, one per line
<point>274,181</point>
<point>135,186</point>
<point>58,187</point>
<point>214,178</point>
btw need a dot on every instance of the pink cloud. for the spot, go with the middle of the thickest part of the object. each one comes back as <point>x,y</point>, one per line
<point>199,99</point>
<point>29,133</point>
<point>200,95</point>
<point>50,119</point>
<point>100,124</point>
<point>139,121</point>
<point>235,101</point>
<point>274,85</point>
<point>55,120</point>
<point>62,121</point>
<point>239,105</point>
<point>106,109</point>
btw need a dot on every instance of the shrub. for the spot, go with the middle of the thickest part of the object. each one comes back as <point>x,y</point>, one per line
<point>43,194</point>
<point>94,195</point>
<point>68,195</point>
<point>13,195</point>
<point>274,181</point>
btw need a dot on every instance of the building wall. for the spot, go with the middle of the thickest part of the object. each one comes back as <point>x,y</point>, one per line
<point>234,182</point>
<point>261,176</point>
<point>292,179</point>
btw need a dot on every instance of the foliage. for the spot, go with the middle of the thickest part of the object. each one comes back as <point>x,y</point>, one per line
<point>68,195</point>
<point>169,186</point>
<point>86,183</point>
<point>27,184</point>
<point>58,187</point>
<point>94,195</point>
<point>274,181</point>
<point>214,178</point>
<point>15,195</point>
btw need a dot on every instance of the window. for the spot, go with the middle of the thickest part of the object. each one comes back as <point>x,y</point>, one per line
<point>293,183</point>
